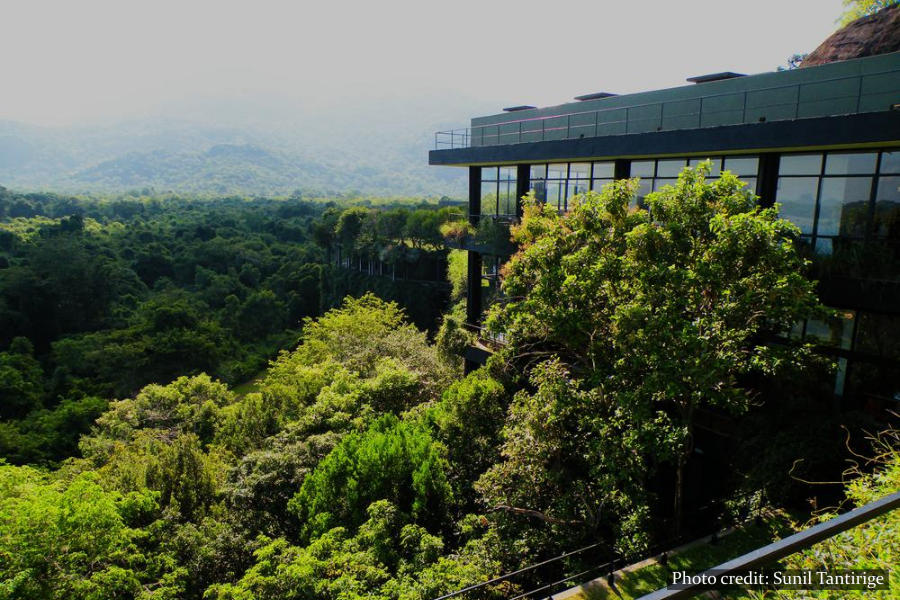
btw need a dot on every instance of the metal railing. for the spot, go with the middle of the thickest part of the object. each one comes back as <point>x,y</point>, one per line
<point>843,96</point>
<point>789,545</point>
<point>604,560</point>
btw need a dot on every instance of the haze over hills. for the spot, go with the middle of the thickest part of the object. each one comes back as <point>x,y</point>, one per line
<point>245,145</point>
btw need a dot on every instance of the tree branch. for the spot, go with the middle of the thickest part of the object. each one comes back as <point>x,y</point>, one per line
<point>535,514</point>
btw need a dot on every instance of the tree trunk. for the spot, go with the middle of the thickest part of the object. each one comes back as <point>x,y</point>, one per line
<point>683,458</point>
<point>679,494</point>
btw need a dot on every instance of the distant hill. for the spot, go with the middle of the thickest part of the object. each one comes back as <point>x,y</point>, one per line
<point>222,168</point>
<point>244,148</point>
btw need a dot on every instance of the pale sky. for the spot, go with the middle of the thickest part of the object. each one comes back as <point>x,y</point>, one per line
<point>73,61</point>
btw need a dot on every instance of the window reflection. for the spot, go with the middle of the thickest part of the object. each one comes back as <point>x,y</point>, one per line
<point>538,176</point>
<point>644,187</point>
<point>887,209</point>
<point>488,197</point>
<point>660,183</point>
<point>580,171</point>
<point>643,168</point>
<point>800,164</point>
<point>577,187</point>
<point>836,331</point>
<point>890,162</point>
<point>604,170</point>
<point>844,206</point>
<point>824,246</point>
<point>742,166</point>
<point>670,167</point>
<point>797,196</point>
<point>557,171</point>
<point>850,164</point>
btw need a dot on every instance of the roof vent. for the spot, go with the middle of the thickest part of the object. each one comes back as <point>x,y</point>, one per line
<point>595,96</point>
<point>715,77</point>
<point>516,108</point>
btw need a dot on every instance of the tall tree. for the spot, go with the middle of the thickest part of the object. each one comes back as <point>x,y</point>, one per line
<point>657,313</point>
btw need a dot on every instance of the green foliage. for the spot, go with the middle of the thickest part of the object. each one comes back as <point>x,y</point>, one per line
<point>387,558</point>
<point>468,420</point>
<point>21,380</point>
<point>393,460</point>
<point>47,434</point>
<point>873,545</point>
<point>644,321</point>
<point>187,405</point>
<point>457,274</point>
<point>133,290</point>
<point>356,464</point>
<point>457,231</point>
<point>422,301</point>
<point>569,464</point>
<point>366,330</point>
<point>67,540</point>
<point>854,9</point>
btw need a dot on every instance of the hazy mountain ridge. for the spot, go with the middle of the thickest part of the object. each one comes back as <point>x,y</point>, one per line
<point>252,147</point>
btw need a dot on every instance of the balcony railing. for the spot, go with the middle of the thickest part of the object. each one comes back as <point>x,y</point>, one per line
<point>871,92</point>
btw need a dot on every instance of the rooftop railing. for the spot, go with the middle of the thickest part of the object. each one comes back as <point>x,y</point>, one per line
<point>870,92</point>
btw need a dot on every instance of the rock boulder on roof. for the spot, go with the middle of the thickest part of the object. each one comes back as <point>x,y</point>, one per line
<point>866,36</point>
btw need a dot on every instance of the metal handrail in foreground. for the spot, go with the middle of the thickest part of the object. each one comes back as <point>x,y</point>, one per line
<point>787,546</point>
<point>502,578</point>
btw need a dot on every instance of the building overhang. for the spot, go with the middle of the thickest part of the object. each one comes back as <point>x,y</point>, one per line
<point>857,130</point>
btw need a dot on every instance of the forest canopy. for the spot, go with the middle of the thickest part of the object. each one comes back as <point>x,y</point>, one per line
<point>360,461</point>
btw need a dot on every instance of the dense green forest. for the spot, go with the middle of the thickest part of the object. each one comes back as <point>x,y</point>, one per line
<point>360,462</point>
<point>101,297</point>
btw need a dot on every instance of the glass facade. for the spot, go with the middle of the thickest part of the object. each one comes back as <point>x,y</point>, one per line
<point>827,196</point>
<point>557,183</point>
<point>498,191</point>
<point>843,202</point>
<point>656,174</point>
<point>846,205</point>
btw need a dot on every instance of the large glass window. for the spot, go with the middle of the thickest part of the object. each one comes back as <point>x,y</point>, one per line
<point>498,191</point>
<point>836,332</point>
<point>742,166</point>
<point>797,196</point>
<point>659,173</point>
<point>603,173</point>
<point>833,207</point>
<point>488,198</point>
<point>579,180</point>
<point>489,176</point>
<point>538,181</point>
<point>556,185</point>
<point>850,163</point>
<point>799,176</point>
<point>745,167</point>
<point>890,162</point>
<point>887,208</point>
<point>800,164</point>
<point>844,206</point>
<point>643,168</point>
<point>670,167</point>
<point>507,192</point>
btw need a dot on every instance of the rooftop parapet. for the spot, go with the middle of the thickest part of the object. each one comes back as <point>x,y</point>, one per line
<point>863,85</point>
